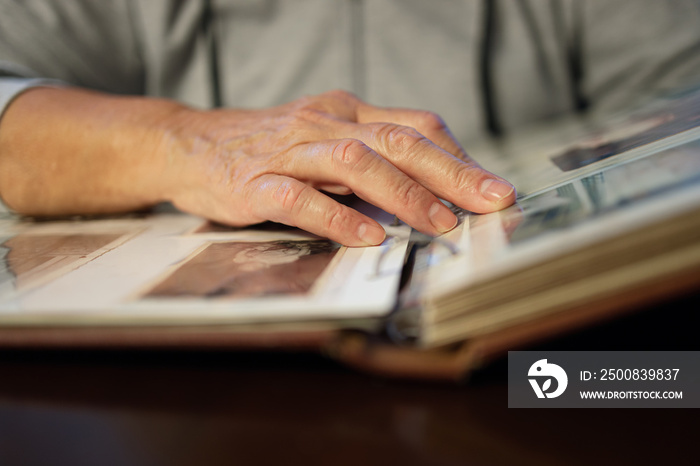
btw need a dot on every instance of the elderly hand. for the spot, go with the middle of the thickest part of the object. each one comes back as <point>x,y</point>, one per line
<point>243,167</point>
<point>71,151</point>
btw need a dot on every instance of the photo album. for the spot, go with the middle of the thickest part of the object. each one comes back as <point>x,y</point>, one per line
<point>607,218</point>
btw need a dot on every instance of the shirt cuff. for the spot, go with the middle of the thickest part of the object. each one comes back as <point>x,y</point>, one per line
<point>10,88</point>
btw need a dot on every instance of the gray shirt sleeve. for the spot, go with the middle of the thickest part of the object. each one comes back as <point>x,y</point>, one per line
<point>82,42</point>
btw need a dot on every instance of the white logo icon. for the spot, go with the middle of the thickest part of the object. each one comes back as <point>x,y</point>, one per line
<point>543,369</point>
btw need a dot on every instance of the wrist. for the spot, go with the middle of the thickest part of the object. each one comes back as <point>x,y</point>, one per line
<point>73,151</point>
<point>176,141</point>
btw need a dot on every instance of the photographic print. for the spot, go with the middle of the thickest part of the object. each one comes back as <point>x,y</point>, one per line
<point>249,269</point>
<point>29,260</point>
<point>636,131</point>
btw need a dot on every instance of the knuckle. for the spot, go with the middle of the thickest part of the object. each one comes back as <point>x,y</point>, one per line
<point>350,152</point>
<point>335,219</point>
<point>430,121</point>
<point>289,196</point>
<point>255,194</point>
<point>402,138</point>
<point>466,176</point>
<point>410,194</point>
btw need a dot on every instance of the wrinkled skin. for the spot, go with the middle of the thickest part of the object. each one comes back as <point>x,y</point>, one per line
<point>73,151</point>
<point>245,167</point>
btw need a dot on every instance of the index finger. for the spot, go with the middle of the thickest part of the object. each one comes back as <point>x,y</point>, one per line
<point>460,181</point>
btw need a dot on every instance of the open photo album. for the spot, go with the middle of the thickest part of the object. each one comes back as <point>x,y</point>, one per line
<point>607,217</point>
<point>177,269</point>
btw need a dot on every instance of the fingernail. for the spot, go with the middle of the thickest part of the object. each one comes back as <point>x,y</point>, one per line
<point>495,190</point>
<point>371,234</point>
<point>441,217</point>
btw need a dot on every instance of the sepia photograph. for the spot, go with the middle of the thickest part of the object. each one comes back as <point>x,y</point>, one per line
<point>28,260</point>
<point>249,269</point>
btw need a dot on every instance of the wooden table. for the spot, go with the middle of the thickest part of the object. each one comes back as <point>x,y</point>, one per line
<point>222,408</point>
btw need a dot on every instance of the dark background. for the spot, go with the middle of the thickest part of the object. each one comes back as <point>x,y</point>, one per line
<point>214,408</point>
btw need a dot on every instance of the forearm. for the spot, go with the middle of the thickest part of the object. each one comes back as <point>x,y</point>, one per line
<point>68,151</point>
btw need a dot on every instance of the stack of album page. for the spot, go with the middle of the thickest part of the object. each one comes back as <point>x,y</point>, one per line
<point>608,213</point>
<point>176,270</point>
<point>608,209</point>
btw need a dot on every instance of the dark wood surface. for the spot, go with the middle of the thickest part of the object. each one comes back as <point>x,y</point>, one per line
<point>221,408</point>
